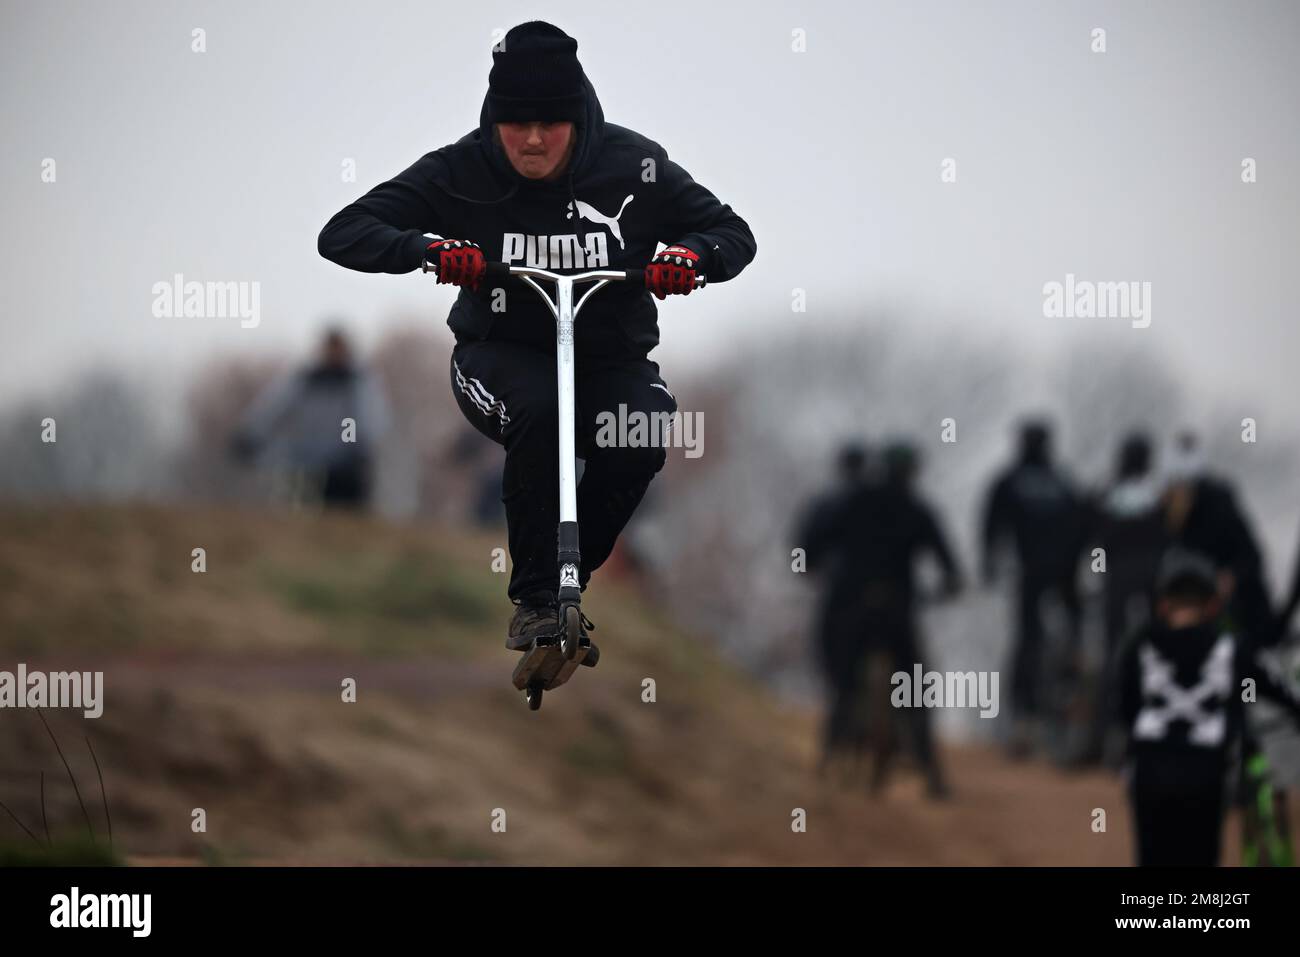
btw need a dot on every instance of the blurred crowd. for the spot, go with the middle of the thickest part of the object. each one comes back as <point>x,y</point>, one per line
<point>1161,558</point>
<point>1166,551</point>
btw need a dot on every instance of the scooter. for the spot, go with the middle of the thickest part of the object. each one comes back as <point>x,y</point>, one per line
<point>552,659</point>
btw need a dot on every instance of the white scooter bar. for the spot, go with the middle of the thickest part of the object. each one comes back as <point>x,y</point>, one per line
<point>566,312</point>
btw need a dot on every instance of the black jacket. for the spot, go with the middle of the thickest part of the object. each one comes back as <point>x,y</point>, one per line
<point>1180,696</point>
<point>469,190</point>
<point>1044,515</point>
<point>869,540</point>
<point>1217,527</point>
<point>1128,522</point>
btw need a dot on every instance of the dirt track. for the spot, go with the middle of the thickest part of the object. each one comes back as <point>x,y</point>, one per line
<point>1000,813</point>
<point>222,692</point>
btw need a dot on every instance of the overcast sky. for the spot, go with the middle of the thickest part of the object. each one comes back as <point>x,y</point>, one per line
<point>1115,166</point>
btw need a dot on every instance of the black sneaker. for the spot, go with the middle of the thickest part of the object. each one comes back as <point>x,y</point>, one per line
<point>535,617</point>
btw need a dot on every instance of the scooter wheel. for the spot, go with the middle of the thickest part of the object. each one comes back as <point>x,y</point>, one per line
<point>534,695</point>
<point>572,632</point>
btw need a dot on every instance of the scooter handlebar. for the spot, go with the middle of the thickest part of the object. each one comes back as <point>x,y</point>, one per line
<point>497,272</point>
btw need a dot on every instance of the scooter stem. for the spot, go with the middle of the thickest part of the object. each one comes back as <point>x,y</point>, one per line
<point>566,314</point>
<point>567,536</point>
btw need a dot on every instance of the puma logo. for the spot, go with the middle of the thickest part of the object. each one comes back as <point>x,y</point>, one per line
<point>592,214</point>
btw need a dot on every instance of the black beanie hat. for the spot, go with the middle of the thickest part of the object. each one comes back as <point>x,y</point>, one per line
<point>536,76</point>
<point>1185,573</point>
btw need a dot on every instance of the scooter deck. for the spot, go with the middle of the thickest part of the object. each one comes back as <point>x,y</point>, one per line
<point>544,664</point>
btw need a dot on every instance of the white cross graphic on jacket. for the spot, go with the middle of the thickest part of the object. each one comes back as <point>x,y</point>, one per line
<point>1207,726</point>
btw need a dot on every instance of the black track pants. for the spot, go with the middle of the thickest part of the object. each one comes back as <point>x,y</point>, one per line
<point>509,392</point>
<point>1177,827</point>
<point>1027,654</point>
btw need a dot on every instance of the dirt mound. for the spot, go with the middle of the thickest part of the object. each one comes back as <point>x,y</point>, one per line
<point>223,692</point>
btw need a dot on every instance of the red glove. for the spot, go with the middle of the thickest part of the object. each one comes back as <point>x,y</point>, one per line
<point>456,261</point>
<point>672,272</point>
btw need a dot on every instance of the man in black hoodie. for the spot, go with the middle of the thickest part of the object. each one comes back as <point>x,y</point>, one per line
<point>1035,505</point>
<point>546,182</point>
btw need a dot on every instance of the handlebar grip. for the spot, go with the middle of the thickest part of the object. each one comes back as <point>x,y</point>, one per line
<point>638,276</point>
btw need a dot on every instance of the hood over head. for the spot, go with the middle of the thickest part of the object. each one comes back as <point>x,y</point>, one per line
<point>505,99</point>
<point>589,132</point>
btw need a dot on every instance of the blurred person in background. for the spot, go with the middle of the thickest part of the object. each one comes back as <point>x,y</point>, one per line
<point>881,530</point>
<point>1181,690</point>
<point>1289,604</point>
<point>298,423</point>
<point>819,535</point>
<point>1128,523</point>
<point>1202,514</point>
<point>907,529</point>
<point>1034,505</point>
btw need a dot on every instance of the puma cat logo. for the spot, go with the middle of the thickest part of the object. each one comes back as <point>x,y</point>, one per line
<point>592,214</point>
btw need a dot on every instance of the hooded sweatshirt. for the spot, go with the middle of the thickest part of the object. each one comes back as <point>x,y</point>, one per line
<point>618,197</point>
<point>1181,699</point>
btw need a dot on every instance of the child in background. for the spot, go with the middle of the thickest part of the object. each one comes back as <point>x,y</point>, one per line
<point>1183,686</point>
